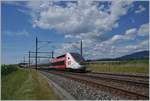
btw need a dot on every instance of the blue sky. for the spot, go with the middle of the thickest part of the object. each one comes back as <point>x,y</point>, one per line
<point>108,29</point>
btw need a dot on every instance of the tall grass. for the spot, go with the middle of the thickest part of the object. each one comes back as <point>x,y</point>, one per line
<point>11,83</point>
<point>25,84</point>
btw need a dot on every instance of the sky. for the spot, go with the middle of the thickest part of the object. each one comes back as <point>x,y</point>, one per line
<point>108,29</point>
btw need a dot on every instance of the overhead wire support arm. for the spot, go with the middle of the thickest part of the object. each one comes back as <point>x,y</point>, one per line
<point>40,57</point>
<point>45,41</point>
<point>40,52</point>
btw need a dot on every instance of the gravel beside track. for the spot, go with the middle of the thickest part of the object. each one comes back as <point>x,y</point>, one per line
<point>79,90</point>
<point>121,89</point>
<point>131,84</point>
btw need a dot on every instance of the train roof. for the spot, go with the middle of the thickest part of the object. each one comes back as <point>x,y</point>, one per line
<point>75,53</point>
<point>76,56</point>
<point>72,53</point>
<point>60,56</point>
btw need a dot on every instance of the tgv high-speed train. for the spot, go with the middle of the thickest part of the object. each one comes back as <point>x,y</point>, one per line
<point>69,61</point>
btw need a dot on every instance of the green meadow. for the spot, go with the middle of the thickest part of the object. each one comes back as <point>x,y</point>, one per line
<point>128,66</point>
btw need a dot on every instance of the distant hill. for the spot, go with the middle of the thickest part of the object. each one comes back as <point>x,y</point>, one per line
<point>136,55</point>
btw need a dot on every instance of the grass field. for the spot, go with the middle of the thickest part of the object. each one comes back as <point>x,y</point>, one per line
<point>26,84</point>
<point>130,66</point>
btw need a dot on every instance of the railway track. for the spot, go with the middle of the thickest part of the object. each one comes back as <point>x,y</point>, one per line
<point>108,84</point>
<point>119,78</point>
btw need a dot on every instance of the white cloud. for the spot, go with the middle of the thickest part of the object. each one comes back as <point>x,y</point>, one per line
<point>130,34</point>
<point>9,2</point>
<point>115,50</point>
<point>144,30</point>
<point>140,9</point>
<point>68,36</point>
<point>131,31</point>
<point>138,46</point>
<point>77,18</point>
<point>17,33</point>
<point>113,47</point>
<point>84,20</point>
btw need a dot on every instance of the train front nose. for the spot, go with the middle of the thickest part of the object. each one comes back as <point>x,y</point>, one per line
<point>82,67</point>
<point>82,64</point>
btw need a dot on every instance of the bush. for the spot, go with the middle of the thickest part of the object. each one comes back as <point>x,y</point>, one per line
<point>6,69</point>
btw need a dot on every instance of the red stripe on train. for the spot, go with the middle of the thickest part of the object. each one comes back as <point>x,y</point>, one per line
<point>60,66</point>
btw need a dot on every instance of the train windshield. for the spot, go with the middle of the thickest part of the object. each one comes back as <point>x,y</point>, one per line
<point>77,57</point>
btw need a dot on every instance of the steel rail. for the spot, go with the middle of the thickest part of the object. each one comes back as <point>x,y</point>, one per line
<point>135,81</point>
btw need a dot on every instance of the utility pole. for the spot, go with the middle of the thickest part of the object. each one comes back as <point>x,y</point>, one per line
<point>81,48</point>
<point>52,54</point>
<point>29,59</point>
<point>24,59</point>
<point>36,52</point>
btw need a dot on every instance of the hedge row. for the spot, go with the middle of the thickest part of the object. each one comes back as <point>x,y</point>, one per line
<point>6,69</point>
